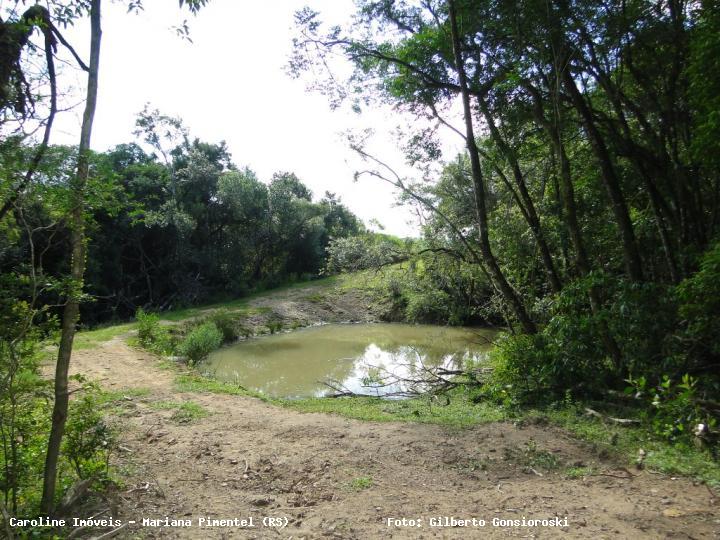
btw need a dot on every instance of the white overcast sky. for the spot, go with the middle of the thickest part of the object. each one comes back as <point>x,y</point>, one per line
<point>230,84</point>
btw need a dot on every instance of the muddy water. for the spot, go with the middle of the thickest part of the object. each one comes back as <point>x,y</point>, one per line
<point>362,358</point>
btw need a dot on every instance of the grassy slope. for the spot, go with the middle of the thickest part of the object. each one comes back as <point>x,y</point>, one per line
<point>624,442</point>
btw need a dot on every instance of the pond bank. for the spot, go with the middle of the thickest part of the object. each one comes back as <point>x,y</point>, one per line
<point>192,448</point>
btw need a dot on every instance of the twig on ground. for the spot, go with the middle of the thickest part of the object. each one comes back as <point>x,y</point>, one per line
<point>620,421</point>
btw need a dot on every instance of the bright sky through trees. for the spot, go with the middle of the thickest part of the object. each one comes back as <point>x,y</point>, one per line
<point>231,84</point>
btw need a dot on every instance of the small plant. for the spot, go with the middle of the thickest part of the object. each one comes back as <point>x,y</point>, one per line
<point>201,341</point>
<point>531,457</point>
<point>361,482</point>
<point>188,412</point>
<point>88,438</point>
<point>184,413</point>
<point>274,325</point>
<point>578,472</point>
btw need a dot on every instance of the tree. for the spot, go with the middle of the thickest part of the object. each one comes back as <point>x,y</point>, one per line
<point>77,246</point>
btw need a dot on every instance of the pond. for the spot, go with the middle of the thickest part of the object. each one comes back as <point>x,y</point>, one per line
<point>361,358</point>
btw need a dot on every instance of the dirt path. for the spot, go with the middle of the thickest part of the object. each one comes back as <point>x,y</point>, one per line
<point>337,478</point>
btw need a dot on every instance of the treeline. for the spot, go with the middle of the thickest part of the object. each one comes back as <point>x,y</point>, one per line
<point>187,227</point>
<point>588,198</point>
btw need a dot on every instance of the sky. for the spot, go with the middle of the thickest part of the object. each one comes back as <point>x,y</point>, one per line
<point>231,84</point>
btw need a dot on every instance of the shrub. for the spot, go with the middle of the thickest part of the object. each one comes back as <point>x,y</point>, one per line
<point>227,323</point>
<point>151,334</point>
<point>201,341</point>
<point>672,406</point>
<point>699,297</point>
<point>569,352</point>
<point>88,438</point>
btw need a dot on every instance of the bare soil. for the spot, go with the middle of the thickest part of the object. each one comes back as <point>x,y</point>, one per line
<point>332,477</point>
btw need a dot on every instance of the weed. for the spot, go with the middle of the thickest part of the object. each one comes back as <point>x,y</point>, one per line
<point>572,473</point>
<point>361,482</point>
<point>530,456</point>
<point>186,412</point>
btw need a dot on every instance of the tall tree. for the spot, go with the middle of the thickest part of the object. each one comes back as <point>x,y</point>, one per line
<point>77,269</point>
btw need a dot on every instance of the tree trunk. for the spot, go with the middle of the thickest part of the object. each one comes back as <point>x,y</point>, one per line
<point>528,206</point>
<point>77,271</point>
<point>631,254</point>
<point>498,278</point>
<point>552,128</point>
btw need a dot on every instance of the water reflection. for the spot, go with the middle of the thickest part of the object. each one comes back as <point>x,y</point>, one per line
<point>362,358</point>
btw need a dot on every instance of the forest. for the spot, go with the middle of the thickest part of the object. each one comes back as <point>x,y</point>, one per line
<point>581,220</point>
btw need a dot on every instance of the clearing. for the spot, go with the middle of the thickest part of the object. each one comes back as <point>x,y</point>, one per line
<point>196,454</point>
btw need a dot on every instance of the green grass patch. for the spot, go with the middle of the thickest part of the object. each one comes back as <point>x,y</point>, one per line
<point>241,305</point>
<point>531,456</point>
<point>185,412</point>
<point>195,382</point>
<point>315,298</point>
<point>110,396</point>
<point>573,473</point>
<point>89,339</point>
<point>621,442</point>
<point>360,483</point>
<point>459,413</point>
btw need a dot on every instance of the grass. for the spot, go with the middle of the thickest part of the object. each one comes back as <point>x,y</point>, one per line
<point>195,382</point>
<point>89,339</point>
<point>361,482</point>
<point>459,413</point>
<point>625,442</point>
<point>574,473</point>
<point>186,412</point>
<point>240,305</point>
<point>315,298</point>
<point>110,396</point>
<point>620,442</point>
<point>531,456</point>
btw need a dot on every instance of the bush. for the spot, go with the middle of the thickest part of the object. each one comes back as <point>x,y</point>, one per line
<point>201,341</point>
<point>568,353</point>
<point>151,334</point>
<point>672,406</point>
<point>88,438</point>
<point>227,323</point>
<point>699,298</point>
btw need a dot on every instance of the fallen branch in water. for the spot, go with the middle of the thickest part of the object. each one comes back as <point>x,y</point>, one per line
<point>422,381</point>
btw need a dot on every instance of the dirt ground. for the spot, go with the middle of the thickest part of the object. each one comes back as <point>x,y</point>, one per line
<point>332,477</point>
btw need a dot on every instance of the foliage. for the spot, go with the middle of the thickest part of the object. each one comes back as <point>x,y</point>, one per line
<point>371,250</point>
<point>578,210</point>
<point>673,409</point>
<point>229,325</point>
<point>699,307</point>
<point>200,342</point>
<point>89,440</point>
<point>151,334</point>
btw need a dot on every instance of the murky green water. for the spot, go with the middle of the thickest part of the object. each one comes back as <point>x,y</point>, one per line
<point>361,357</point>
